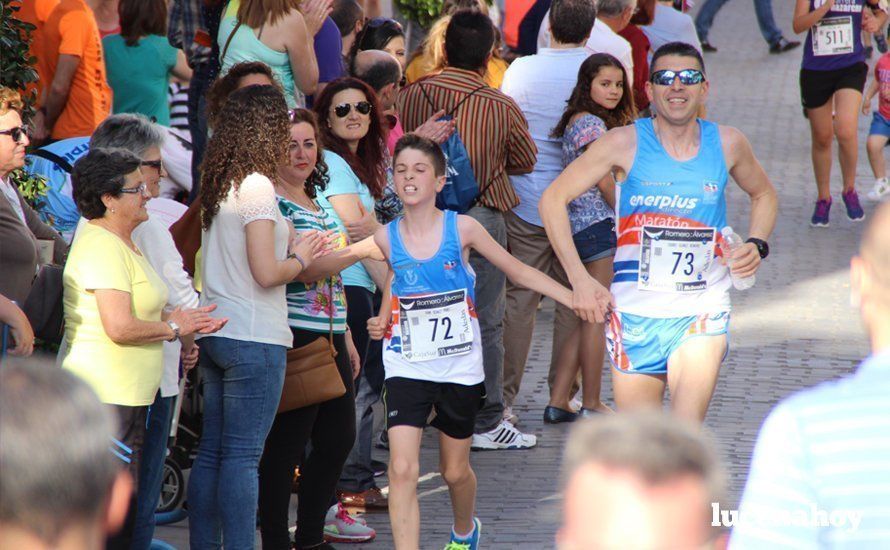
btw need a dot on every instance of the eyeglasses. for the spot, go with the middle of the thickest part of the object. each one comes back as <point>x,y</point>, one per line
<point>16,133</point>
<point>343,109</point>
<point>156,164</point>
<point>688,77</point>
<point>140,189</point>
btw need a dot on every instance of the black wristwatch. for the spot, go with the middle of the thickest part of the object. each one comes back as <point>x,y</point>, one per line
<point>762,247</point>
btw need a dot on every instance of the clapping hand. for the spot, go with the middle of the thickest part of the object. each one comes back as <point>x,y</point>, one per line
<point>314,13</point>
<point>196,321</point>
<point>591,301</point>
<point>435,129</point>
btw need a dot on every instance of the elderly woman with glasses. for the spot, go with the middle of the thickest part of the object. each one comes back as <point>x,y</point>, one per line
<point>20,225</point>
<point>114,301</point>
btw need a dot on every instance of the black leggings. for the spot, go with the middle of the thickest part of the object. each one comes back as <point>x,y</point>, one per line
<point>331,428</point>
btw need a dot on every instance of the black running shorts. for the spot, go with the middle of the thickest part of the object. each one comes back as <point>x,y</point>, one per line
<point>408,402</point>
<point>817,87</point>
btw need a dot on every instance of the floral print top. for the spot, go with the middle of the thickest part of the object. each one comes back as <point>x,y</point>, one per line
<point>590,207</point>
<point>310,306</point>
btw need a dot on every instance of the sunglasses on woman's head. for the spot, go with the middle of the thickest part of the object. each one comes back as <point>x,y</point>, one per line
<point>380,21</point>
<point>343,109</point>
<point>688,77</point>
<point>16,133</point>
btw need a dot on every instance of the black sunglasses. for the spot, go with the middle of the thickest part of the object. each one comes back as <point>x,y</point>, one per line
<point>380,21</point>
<point>343,109</point>
<point>16,133</point>
<point>156,164</point>
<point>688,77</point>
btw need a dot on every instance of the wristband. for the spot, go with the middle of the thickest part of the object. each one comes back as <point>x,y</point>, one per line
<point>295,256</point>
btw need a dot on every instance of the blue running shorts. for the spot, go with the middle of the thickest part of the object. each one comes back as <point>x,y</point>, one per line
<point>643,345</point>
<point>880,126</point>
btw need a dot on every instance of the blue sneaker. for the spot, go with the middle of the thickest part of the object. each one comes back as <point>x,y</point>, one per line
<point>820,215</point>
<point>471,543</point>
<point>854,209</point>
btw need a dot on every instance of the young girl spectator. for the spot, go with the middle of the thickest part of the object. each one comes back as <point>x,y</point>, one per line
<point>598,103</point>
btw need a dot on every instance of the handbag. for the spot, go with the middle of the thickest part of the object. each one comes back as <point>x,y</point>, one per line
<point>461,190</point>
<point>311,375</point>
<point>43,306</point>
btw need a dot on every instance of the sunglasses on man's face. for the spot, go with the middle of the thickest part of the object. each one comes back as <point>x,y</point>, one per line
<point>343,109</point>
<point>16,133</point>
<point>688,77</point>
<point>156,164</point>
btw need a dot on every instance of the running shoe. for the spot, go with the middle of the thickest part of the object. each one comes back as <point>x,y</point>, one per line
<point>510,417</point>
<point>820,214</point>
<point>880,191</point>
<point>503,436</point>
<point>339,526</point>
<point>881,42</point>
<point>854,209</point>
<point>707,47</point>
<point>471,543</point>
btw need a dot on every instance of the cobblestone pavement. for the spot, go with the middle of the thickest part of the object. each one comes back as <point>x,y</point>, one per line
<point>793,330</point>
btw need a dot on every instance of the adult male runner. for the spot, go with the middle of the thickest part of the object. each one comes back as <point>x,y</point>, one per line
<point>671,291</point>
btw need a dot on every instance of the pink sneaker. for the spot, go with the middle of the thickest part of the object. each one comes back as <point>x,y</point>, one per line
<point>339,526</point>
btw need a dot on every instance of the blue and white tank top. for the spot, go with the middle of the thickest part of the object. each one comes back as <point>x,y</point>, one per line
<point>835,42</point>
<point>434,332</point>
<point>670,214</point>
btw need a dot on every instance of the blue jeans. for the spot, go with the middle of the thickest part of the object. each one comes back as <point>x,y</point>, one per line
<point>762,8</point>
<point>151,469</point>
<point>242,384</point>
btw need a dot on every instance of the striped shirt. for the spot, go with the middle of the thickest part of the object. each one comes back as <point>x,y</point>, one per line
<point>490,124</point>
<point>309,304</point>
<point>822,458</point>
<point>179,105</point>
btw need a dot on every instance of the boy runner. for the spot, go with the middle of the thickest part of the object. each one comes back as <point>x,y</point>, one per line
<point>432,351</point>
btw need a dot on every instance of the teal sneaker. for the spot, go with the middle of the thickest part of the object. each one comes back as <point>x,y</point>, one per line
<point>471,543</point>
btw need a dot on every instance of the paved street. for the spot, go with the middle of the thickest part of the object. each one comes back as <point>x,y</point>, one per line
<point>793,330</point>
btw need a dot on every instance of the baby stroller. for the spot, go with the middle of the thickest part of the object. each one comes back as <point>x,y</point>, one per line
<point>185,432</point>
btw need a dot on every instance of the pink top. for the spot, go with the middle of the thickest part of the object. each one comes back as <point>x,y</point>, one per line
<point>395,132</point>
<point>882,74</point>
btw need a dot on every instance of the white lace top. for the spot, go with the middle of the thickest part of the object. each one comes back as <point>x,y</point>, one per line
<point>255,314</point>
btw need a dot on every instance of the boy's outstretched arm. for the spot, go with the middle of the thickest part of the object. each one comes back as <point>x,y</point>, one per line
<point>377,325</point>
<point>473,235</point>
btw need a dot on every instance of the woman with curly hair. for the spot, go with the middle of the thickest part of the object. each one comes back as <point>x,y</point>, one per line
<point>249,253</point>
<point>241,75</point>
<point>316,304</point>
<point>600,101</point>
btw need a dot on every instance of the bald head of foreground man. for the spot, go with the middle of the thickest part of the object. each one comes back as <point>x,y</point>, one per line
<point>870,279</point>
<point>381,71</point>
<point>641,481</point>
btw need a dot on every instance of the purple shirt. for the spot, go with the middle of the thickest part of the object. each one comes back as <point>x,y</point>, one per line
<point>328,44</point>
<point>836,18</point>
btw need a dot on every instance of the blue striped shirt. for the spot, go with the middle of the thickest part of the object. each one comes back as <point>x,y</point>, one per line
<point>822,459</point>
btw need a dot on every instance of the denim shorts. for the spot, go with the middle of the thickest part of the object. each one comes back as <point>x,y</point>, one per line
<point>880,126</point>
<point>596,241</point>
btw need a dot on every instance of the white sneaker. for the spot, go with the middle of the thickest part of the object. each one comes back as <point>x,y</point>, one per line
<point>510,417</point>
<point>576,404</point>
<point>504,436</point>
<point>880,191</point>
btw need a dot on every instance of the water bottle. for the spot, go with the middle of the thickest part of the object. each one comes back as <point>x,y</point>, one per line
<point>733,242</point>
